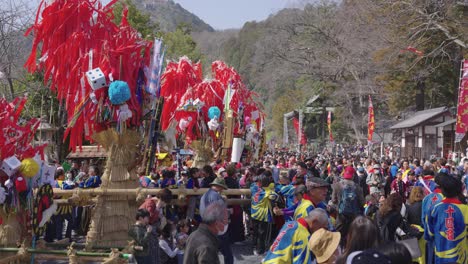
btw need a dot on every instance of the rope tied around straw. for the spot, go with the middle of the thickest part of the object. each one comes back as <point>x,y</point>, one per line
<point>71,253</point>
<point>140,195</point>
<point>23,252</point>
<point>114,257</point>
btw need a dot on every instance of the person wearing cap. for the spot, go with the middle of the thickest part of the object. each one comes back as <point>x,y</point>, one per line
<point>317,190</point>
<point>300,209</point>
<point>291,244</point>
<point>211,196</point>
<point>375,180</point>
<point>325,246</point>
<point>348,198</point>
<point>447,224</point>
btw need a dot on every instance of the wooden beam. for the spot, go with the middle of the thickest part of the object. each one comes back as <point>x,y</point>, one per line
<point>144,191</point>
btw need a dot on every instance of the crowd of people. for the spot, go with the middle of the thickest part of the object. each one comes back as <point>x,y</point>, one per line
<point>318,209</point>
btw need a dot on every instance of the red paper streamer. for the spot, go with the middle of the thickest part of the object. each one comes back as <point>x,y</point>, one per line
<point>66,32</point>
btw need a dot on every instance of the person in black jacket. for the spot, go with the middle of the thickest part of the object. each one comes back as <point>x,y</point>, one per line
<point>414,209</point>
<point>389,218</point>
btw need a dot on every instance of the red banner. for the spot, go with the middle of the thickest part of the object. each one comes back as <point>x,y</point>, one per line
<point>370,122</point>
<point>462,108</point>
<point>329,126</point>
<point>303,140</point>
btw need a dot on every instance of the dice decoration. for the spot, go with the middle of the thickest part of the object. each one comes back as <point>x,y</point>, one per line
<point>96,78</point>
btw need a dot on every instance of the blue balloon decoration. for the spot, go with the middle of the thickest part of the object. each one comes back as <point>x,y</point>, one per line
<point>119,92</point>
<point>214,112</point>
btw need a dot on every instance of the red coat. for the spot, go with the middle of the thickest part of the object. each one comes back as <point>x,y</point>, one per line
<point>400,188</point>
<point>150,206</point>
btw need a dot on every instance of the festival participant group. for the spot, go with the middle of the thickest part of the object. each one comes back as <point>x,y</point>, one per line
<point>304,208</point>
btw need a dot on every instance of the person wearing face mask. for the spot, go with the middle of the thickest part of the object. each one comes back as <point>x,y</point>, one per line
<point>290,246</point>
<point>211,196</point>
<point>202,245</point>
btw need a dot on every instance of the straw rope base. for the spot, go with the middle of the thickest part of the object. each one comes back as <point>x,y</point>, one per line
<point>113,215</point>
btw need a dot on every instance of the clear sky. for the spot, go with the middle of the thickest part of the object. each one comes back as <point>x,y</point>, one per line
<point>224,14</point>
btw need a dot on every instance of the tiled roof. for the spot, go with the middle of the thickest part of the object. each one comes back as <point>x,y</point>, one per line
<point>419,117</point>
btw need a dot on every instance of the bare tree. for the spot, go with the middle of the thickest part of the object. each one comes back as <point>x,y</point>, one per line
<point>15,17</point>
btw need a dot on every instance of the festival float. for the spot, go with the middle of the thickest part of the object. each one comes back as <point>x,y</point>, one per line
<point>118,95</point>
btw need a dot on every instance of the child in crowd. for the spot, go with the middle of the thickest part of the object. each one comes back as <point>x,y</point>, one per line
<point>183,231</point>
<point>168,253</point>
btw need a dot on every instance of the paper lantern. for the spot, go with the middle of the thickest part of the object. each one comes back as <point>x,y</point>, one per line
<point>237,148</point>
<point>119,92</point>
<point>214,112</point>
<point>29,168</point>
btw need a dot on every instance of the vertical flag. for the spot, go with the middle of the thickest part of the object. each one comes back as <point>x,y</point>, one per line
<point>156,68</point>
<point>303,139</point>
<point>329,126</point>
<point>462,107</point>
<point>370,122</point>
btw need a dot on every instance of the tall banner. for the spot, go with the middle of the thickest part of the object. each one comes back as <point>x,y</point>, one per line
<point>370,122</point>
<point>329,126</point>
<point>462,107</point>
<point>303,139</point>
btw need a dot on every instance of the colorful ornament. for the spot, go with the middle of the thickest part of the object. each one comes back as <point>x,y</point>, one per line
<point>20,184</point>
<point>119,92</point>
<point>11,165</point>
<point>29,168</point>
<point>214,112</point>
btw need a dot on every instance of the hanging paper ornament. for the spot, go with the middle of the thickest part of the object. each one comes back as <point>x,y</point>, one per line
<point>247,120</point>
<point>213,124</point>
<point>184,123</point>
<point>29,168</point>
<point>119,92</point>
<point>9,184</point>
<point>11,165</point>
<point>96,78</point>
<point>20,184</point>
<point>214,112</point>
<point>124,113</point>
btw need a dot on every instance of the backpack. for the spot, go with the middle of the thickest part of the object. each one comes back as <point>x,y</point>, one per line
<point>349,203</point>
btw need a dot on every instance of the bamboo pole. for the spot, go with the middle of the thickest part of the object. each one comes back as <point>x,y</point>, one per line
<point>135,192</point>
<point>179,202</point>
<point>64,252</point>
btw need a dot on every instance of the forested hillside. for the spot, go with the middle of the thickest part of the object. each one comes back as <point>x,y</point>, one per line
<point>395,51</point>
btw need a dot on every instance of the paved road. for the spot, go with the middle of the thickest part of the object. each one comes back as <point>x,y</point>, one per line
<point>243,254</point>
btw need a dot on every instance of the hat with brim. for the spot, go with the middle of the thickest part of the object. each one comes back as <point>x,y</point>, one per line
<point>219,182</point>
<point>324,244</point>
<point>315,182</point>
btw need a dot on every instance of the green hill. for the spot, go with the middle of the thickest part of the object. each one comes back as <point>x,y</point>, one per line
<point>169,14</point>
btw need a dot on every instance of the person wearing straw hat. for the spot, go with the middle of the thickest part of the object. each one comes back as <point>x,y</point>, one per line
<point>325,246</point>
